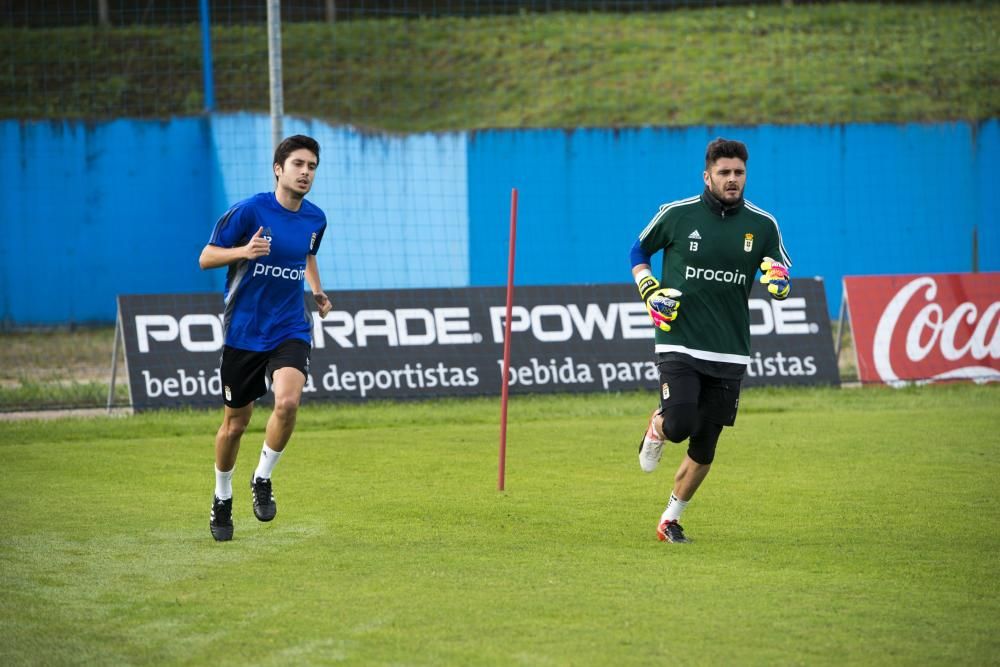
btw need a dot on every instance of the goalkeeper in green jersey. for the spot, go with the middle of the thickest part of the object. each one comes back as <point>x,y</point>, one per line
<point>713,245</point>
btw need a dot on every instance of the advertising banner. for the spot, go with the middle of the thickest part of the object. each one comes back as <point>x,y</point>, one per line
<point>424,343</point>
<point>925,327</point>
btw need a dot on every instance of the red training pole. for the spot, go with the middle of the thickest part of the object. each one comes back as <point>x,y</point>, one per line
<point>506,342</point>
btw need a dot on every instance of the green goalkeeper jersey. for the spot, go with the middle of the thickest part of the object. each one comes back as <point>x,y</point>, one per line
<point>712,254</point>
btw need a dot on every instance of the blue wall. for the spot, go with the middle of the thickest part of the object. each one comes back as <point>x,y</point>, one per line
<point>91,211</point>
<point>850,200</point>
<point>95,210</point>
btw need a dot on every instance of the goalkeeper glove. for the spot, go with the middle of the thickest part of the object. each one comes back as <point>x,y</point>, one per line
<point>775,277</point>
<point>661,304</point>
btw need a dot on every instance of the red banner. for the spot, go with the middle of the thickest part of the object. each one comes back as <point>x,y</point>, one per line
<point>925,327</point>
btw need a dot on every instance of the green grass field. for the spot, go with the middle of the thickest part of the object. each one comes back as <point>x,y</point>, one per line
<point>837,527</point>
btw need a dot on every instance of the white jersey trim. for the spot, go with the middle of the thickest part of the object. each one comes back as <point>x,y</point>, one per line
<point>785,259</point>
<point>704,354</point>
<point>663,211</point>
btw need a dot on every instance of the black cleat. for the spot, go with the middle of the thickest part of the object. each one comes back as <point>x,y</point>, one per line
<point>671,531</point>
<point>221,522</point>
<point>264,507</point>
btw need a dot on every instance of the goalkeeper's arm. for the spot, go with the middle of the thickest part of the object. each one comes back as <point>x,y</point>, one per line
<point>661,304</point>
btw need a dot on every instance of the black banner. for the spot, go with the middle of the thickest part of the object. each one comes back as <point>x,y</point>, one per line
<point>424,343</point>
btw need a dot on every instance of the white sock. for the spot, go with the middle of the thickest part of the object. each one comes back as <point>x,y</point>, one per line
<point>224,484</point>
<point>268,459</point>
<point>674,509</point>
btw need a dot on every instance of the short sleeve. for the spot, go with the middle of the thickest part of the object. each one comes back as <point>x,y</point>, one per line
<point>314,247</point>
<point>234,227</point>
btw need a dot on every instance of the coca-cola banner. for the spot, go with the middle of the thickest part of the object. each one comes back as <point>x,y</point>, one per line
<point>925,327</point>
<point>424,343</point>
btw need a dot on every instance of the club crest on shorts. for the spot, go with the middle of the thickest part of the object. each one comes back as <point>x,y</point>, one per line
<point>747,242</point>
<point>229,393</point>
<point>665,391</point>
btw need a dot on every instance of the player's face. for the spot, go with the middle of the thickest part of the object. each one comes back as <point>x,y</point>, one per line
<point>297,174</point>
<point>726,179</point>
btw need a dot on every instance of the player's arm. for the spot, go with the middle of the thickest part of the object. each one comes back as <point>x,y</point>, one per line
<point>214,256</point>
<point>316,285</point>
<point>774,272</point>
<point>661,304</point>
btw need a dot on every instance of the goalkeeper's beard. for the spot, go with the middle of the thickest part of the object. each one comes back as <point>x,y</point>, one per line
<point>720,193</point>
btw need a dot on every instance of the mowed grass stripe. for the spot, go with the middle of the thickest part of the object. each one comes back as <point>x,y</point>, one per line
<point>838,527</point>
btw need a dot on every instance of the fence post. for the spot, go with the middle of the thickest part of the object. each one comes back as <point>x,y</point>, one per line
<point>274,69</point>
<point>206,56</point>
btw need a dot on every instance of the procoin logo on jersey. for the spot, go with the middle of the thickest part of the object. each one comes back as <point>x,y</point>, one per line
<point>715,275</point>
<point>286,272</point>
<point>748,243</point>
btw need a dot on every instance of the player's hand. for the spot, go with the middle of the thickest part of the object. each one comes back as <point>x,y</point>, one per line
<point>323,303</point>
<point>775,276</point>
<point>661,304</point>
<point>258,245</point>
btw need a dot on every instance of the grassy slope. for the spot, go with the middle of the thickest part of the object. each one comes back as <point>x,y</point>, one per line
<point>838,527</point>
<point>814,64</point>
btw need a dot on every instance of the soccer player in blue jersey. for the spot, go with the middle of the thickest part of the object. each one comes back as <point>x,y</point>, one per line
<point>269,244</point>
<point>713,245</point>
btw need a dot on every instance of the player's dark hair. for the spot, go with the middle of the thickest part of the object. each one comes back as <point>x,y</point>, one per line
<point>720,148</point>
<point>292,144</point>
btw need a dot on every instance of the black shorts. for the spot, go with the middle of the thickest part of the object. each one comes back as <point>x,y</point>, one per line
<point>243,371</point>
<point>718,399</point>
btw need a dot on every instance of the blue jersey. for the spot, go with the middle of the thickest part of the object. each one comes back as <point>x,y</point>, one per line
<point>264,300</point>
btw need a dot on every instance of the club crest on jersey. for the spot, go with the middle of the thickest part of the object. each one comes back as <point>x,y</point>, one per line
<point>747,242</point>
<point>268,234</point>
<point>312,241</point>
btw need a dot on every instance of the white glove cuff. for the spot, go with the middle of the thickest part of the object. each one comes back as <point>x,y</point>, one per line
<point>642,275</point>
